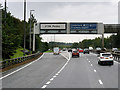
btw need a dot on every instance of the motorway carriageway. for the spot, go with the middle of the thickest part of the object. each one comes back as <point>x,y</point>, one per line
<point>62,71</point>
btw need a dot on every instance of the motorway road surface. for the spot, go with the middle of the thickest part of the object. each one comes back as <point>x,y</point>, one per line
<point>56,71</point>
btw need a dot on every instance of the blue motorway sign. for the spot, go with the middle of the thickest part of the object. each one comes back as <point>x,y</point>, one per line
<point>79,26</point>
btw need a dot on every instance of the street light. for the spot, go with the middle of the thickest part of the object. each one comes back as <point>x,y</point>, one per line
<point>24,25</point>
<point>30,29</point>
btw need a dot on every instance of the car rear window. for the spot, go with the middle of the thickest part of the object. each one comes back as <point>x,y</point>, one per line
<point>106,55</point>
<point>75,51</point>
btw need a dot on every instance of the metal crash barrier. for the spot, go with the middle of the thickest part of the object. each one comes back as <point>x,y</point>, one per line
<point>9,62</point>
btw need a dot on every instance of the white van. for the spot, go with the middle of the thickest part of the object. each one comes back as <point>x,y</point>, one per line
<point>56,50</point>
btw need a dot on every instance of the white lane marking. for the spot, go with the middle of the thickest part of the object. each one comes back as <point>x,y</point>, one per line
<point>64,56</point>
<point>100,82</point>
<point>89,61</point>
<point>44,86</point>
<point>54,76</point>
<point>94,70</point>
<point>116,62</point>
<point>21,68</point>
<point>48,82</point>
<point>91,65</point>
<point>51,79</point>
<point>58,71</point>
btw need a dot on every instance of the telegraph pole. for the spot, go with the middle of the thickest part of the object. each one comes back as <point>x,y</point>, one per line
<point>24,25</point>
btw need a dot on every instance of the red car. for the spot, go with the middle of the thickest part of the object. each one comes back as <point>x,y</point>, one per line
<point>80,50</point>
<point>75,53</point>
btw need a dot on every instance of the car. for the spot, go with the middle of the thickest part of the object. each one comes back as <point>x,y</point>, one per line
<point>105,58</point>
<point>75,53</point>
<point>80,50</point>
<point>69,50</point>
<point>64,49</point>
<point>114,49</point>
<point>86,50</point>
<point>90,48</point>
<point>98,48</point>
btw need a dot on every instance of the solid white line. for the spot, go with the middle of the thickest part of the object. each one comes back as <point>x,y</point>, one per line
<point>48,82</point>
<point>94,70</point>
<point>64,56</point>
<point>21,68</point>
<point>44,86</point>
<point>100,82</point>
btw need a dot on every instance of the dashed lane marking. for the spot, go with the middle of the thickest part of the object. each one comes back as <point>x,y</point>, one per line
<point>51,79</point>
<point>91,65</point>
<point>44,86</point>
<point>100,82</point>
<point>94,70</point>
<point>48,82</point>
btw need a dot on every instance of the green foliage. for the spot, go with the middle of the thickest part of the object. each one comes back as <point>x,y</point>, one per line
<point>112,41</point>
<point>13,36</point>
<point>75,45</point>
<point>48,51</point>
<point>18,53</point>
<point>41,46</point>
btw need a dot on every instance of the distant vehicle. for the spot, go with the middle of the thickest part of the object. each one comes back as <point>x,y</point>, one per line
<point>74,49</point>
<point>98,48</point>
<point>69,50</point>
<point>114,49</point>
<point>105,58</point>
<point>75,53</point>
<point>80,50</point>
<point>90,48</point>
<point>64,49</point>
<point>56,50</point>
<point>86,50</point>
<point>104,49</point>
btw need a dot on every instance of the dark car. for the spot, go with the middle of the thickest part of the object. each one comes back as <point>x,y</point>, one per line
<point>75,53</point>
<point>86,50</point>
<point>69,50</point>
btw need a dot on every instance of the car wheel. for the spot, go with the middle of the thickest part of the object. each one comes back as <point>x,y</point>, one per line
<point>99,62</point>
<point>111,63</point>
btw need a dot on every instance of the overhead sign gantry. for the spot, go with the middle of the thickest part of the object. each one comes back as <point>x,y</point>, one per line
<point>68,28</point>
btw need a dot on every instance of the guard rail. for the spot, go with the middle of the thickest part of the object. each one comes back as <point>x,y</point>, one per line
<point>9,62</point>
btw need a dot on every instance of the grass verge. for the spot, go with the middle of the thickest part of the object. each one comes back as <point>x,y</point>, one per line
<point>48,51</point>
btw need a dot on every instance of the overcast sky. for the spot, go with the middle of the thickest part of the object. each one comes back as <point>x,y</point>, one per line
<point>67,10</point>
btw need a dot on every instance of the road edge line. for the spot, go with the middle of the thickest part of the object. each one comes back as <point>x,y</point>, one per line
<point>22,67</point>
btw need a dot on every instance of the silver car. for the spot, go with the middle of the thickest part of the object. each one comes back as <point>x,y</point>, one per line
<point>105,58</point>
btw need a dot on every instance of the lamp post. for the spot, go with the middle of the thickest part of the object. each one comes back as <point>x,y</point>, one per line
<point>30,30</point>
<point>24,25</point>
